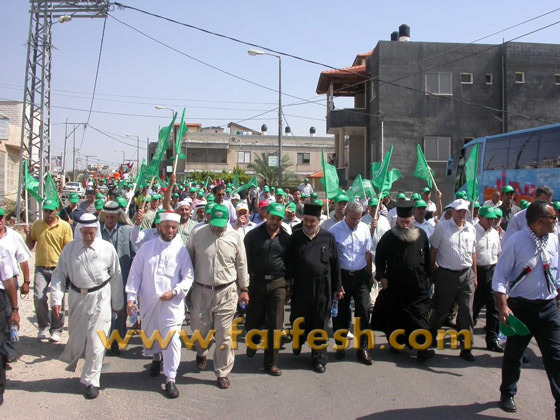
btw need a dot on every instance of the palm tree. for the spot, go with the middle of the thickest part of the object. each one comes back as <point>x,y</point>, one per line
<point>270,173</point>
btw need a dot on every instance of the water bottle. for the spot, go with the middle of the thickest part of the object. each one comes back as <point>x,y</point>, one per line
<point>334,308</point>
<point>243,306</point>
<point>134,317</point>
<point>14,336</point>
<point>501,337</point>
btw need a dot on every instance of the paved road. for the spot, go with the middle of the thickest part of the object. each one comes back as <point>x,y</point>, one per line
<point>395,387</point>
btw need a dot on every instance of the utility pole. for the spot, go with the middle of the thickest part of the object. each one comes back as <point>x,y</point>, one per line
<point>87,166</point>
<point>74,157</point>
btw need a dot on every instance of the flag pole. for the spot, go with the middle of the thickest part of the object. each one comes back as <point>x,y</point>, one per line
<point>433,180</point>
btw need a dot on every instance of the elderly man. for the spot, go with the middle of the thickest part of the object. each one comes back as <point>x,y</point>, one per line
<point>453,259</point>
<point>218,276</point>
<point>116,230</point>
<point>160,278</point>
<point>526,285</point>
<point>243,225</point>
<point>92,266</point>
<point>354,246</point>
<point>313,270</point>
<point>402,259</point>
<point>51,234</point>
<point>495,201</point>
<point>340,203</point>
<point>266,247</point>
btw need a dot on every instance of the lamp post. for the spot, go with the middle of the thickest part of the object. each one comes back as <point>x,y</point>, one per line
<point>254,52</point>
<point>122,151</point>
<point>137,151</point>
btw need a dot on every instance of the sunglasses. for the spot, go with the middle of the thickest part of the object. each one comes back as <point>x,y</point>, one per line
<point>549,217</point>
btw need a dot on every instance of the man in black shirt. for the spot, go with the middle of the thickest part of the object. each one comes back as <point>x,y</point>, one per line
<point>266,247</point>
<point>72,213</point>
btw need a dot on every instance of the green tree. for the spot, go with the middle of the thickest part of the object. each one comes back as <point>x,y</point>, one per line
<point>270,173</point>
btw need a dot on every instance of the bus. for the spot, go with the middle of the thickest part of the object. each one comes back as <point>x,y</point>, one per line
<point>523,159</point>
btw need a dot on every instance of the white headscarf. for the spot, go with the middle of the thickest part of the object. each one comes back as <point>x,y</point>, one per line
<point>87,220</point>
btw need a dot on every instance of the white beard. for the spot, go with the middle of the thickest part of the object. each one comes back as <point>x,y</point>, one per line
<point>409,236</point>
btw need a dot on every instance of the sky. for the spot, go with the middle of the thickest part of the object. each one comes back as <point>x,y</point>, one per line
<point>136,72</point>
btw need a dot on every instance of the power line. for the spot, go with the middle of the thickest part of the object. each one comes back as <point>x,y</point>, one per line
<point>115,139</point>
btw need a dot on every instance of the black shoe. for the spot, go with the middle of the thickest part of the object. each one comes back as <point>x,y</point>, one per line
<point>424,355</point>
<point>91,392</point>
<point>495,346</point>
<point>450,324</point>
<point>273,370</point>
<point>1,399</point>
<point>171,390</point>
<point>296,351</point>
<point>340,354</point>
<point>155,368</point>
<point>201,362</point>
<point>249,352</point>
<point>467,355</point>
<point>319,367</point>
<point>363,356</point>
<point>507,403</point>
<point>115,350</point>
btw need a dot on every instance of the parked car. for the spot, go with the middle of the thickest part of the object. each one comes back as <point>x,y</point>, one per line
<point>73,187</point>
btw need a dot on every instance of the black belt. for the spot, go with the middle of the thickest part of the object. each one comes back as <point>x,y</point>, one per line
<point>267,276</point>
<point>92,289</point>
<point>220,287</point>
<point>45,268</point>
<point>455,271</point>
<point>486,267</point>
<point>530,301</point>
<point>352,273</point>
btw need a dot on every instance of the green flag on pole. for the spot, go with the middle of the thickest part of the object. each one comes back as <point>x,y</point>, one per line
<point>162,145</point>
<point>180,133</point>
<point>330,178</point>
<point>51,193</point>
<point>31,184</point>
<point>357,189</point>
<point>422,170</point>
<point>235,181</point>
<point>368,188</point>
<point>381,177</point>
<point>471,173</point>
<point>252,183</point>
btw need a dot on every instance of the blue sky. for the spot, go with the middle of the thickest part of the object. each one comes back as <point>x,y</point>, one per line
<point>137,73</point>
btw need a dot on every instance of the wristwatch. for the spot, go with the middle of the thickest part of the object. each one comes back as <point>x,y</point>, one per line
<point>244,290</point>
<point>15,309</point>
<point>175,293</point>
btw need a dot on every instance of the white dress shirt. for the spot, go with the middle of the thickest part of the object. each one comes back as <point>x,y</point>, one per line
<point>455,246</point>
<point>487,245</point>
<point>352,245</point>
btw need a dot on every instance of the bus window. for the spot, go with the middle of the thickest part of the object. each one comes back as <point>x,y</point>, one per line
<point>549,149</point>
<point>523,151</point>
<point>495,158</point>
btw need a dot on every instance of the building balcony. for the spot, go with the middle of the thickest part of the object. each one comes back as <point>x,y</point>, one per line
<point>349,117</point>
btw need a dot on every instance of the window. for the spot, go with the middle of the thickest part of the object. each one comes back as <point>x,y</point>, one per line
<point>466,78</point>
<point>201,155</point>
<point>549,149</point>
<point>437,148</point>
<point>557,79</point>
<point>523,150</point>
<point>519,77</point>
<point>303,158</point>
<point>243,157</point>
<point>438,83</point>
<point>489,80</point>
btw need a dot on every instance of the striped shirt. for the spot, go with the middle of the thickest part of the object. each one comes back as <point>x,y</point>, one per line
<point>455,246</point>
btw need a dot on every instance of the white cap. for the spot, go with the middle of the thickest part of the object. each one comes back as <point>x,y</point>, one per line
<point>235,197</point>
<point>184,203</point>
<point>460,204</point>
<point>170,216</point>
<point>242,206</point>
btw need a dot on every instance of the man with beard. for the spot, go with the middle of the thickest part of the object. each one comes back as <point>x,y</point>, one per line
<point>312,267</point>
<point>161,276</point>
<point>402,260</point>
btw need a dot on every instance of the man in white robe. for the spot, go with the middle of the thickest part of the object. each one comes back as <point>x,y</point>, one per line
<point>160,277</point>
<point>92,265</point>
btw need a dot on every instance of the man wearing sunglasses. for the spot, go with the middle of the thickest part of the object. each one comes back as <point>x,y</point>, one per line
<point>51,234</point>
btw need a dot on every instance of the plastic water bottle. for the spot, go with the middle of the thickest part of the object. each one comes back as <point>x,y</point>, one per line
<point>334,308</point>
<point>134,317</point>
<point>501,337</point>
<point>14,335</point>
<point>243,306</point>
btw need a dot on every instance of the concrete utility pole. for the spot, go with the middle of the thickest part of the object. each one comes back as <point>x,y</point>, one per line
<point>36,127</point>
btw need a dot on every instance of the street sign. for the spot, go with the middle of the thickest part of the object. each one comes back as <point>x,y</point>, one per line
<point>273,161</point>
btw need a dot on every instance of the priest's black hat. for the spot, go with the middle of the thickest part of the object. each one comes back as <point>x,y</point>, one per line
<point>312,209</point>
<point>405,209</point>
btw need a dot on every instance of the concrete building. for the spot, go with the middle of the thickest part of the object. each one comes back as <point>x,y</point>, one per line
<point>11,113</point>
<point>438,95</point>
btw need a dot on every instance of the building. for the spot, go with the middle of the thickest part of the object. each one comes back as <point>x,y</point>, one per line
<point>218,151</point>
<point>11,113</point>
<point>438,95</point>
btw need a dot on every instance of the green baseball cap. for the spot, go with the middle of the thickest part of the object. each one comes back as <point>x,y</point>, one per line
<point>272,188</point>
<point>175,195</point>
<point>488,212</point>
<point>148,199</point>
<point>50,205</point>
<point>192,189</point>
<point>228,190</point>
<point>420,204</point>
<point>276,209</point>
<point>121,201</point>
<point>415,197</point>
<point>210,198</point>
<point>219,216</point>
<point>303,195</point>
<point>319,202</point>
<point>157,220</point>
<point>507,189</point>
<point>266,188</point>
<point>461,194</point>
<point>401,196</point>
<point>524,204</point>
<point>208,207</point>
<point>385,194</point>
<point>556,205</point>
<point>498,212</point>
<point>73,197</point>
<point>306,179</point>
<point>426,190</point>
<point>98,195</point>
<point>373,202</point>
<point>2,213</point>
<point>200,194</point>
<point>99,204</point>
<point>476,205</point>
<point>291,206</point>
<point>341,198</point>
<point>279,191</point>
<point>314,195</point>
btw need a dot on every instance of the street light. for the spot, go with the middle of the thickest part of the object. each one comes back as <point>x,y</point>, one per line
<point>254,52</point>
<point>122,151</point>
<point>137,151</point>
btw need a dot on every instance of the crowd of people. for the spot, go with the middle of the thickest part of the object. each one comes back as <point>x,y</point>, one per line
<point>206,254</point>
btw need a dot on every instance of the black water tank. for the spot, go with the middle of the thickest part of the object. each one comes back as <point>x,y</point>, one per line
<point>404,32</point>
<point>264,129</point>
<point>288,130</point>
<point>395,36</point>
<point>312,131</point>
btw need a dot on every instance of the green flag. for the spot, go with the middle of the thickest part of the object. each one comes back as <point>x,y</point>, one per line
<point>252,183</point>
<point>422,170</point>
<point>206,182</point>
<point>31,184</point>
<point>368,188</point>
<point>140,176</point>
<point>357,189</point>
<point>381,177</point>
<point>235,181</point>
<point>330,178</point>
<point>180,133</point>
<point>162,145</point>
<point>471,173</point>
<point>51,193</point>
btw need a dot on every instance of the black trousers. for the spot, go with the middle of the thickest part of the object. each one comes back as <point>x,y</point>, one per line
<point>484,296</point>
<point>266,307</point>
<point>356,286</point>
<point>543,320</point>
<point>3,338</point>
